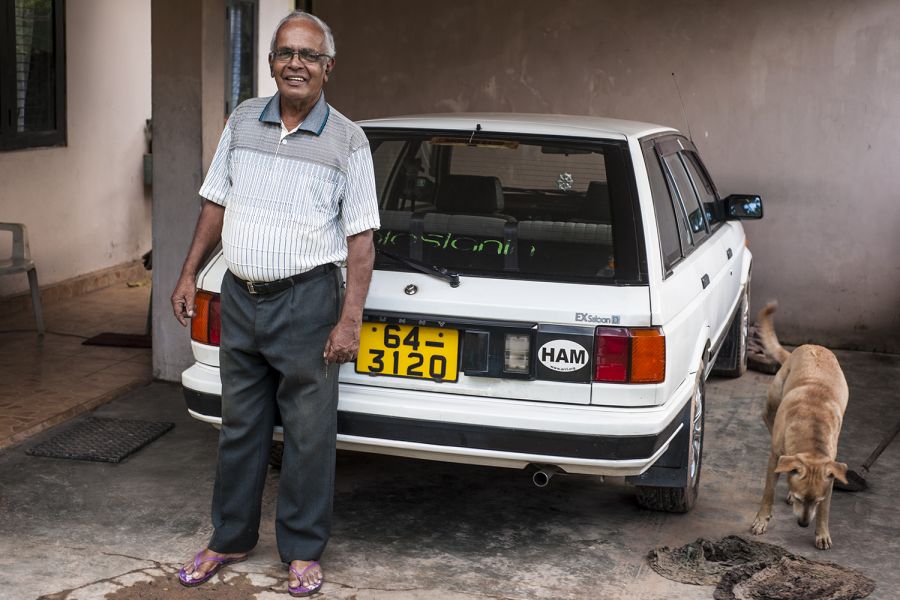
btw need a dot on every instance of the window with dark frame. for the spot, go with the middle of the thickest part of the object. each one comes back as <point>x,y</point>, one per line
<point>240,67</point>
<point>32,74</point>
<point>685,189</point>
<point>666,220</point>
<point>705,190</point>
<point>507,205</point>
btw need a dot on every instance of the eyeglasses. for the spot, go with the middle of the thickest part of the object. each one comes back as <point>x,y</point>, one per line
<point>306,55</point>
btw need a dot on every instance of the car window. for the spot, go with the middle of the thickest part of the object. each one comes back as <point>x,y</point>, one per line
<point>386,158</point>
<point>507,205</point>
<point>695,214</point>
<point>704,189</point>
<point>533,167</point>
<point>666,220</point>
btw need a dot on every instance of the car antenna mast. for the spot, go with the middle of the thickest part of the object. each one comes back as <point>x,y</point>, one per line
<point>683,112</point>
<point>471,137</point>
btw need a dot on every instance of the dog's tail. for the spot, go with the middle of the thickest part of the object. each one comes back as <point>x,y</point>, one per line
<point>770,344</point>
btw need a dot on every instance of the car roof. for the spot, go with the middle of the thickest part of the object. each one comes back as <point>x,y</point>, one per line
<point>537,124</point>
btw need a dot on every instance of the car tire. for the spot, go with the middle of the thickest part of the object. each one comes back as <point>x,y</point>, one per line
<point>682,499</point>
<point>276,453</point>
<point>732,360</point>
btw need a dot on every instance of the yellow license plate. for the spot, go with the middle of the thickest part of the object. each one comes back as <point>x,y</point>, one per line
<point>408,351</point>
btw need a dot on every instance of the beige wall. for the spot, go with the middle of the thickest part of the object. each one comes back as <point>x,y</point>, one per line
<point>793,100</point>
<point>85,204</point>
<point>270,13</point>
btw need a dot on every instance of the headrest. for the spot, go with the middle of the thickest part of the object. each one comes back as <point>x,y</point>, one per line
<point>470,194</point>
<point>596,203</point>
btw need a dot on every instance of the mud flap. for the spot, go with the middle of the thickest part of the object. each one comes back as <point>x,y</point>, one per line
<point>670,470</point>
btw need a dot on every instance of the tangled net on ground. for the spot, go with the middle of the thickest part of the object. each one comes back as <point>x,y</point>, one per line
<point>746,570</point>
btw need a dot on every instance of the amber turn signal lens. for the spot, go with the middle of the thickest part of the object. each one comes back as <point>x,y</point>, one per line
<point>648,356</point>
<point>200,321</point>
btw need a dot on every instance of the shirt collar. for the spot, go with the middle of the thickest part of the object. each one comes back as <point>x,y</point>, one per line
<point>314,122</point>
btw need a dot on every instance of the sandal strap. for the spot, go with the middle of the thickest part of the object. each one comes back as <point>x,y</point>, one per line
<point>199,560</point>
<point>300,574</point>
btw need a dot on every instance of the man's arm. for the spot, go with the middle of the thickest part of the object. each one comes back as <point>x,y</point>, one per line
<point>343,343</point>
<point>206,235</point>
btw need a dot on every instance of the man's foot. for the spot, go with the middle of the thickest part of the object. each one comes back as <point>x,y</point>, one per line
<point>304,578</point>
<point>206,564</point>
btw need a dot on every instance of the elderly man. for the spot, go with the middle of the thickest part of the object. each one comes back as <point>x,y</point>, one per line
<point>290,193</point>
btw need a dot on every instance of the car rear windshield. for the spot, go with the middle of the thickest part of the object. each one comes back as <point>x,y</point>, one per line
<point>500,205</point>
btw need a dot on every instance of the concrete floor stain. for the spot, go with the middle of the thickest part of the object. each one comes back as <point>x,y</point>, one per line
<point>167,587</point>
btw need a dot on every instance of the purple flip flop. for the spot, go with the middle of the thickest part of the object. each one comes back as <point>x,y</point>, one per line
<point>186,580</point>
<point>301,591</point>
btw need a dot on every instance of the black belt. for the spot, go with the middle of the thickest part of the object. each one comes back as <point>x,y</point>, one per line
<point>270,287</point>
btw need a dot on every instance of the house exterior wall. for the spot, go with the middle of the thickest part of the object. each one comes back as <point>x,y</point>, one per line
<point>188,113</point>
<point>85,204</point>
<point>792,100</point>
<point>270,13</point>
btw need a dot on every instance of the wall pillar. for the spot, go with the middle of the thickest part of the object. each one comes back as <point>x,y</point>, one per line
<point>188,99</point>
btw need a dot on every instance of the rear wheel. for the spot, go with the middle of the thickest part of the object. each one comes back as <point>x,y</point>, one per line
<point>682,499</point>
<point>732,360</point>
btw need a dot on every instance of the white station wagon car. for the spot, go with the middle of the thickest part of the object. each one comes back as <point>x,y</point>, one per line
<point>550,293</point>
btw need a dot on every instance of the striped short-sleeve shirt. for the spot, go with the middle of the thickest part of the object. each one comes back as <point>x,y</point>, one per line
<point>290,200</point>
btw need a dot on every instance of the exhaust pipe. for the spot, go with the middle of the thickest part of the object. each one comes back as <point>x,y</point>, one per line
<point>542,474</point>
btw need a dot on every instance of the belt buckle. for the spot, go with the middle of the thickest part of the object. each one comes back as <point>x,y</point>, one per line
<point>250,287</point>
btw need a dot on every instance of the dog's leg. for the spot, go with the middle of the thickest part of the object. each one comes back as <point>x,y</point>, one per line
<point>823,536</point>
<point>774,396</point>
<point>765,509</point>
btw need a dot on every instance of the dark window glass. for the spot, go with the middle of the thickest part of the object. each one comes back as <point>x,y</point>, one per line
<point>32,73</point>
<point>666,223</point>
<point>506,205</point>
<point>240,73</point>
<point>695,215</point>
<point>704,188</point>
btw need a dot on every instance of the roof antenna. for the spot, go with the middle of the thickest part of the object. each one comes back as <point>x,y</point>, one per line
<point>683,112</point>
<point>477,128</point>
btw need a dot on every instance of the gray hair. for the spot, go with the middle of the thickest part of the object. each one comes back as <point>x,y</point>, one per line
<point>299,15</point>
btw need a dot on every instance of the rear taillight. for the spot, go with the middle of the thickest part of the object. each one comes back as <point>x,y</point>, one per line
<point>629,355</point>
<point>206,324</point>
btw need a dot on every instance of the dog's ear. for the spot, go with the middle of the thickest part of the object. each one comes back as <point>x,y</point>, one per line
<point>837,470</point>
<point>790,463</point>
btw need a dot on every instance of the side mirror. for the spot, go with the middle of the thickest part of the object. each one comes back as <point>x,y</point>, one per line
<point>743,206</point>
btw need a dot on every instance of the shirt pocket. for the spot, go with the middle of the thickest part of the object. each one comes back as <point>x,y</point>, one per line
<point>316,199</point>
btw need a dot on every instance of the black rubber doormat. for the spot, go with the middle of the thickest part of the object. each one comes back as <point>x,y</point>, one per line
<point>121,340</point>
<point>101,439</point>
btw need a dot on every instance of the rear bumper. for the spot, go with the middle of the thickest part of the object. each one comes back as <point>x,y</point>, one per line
<point>477,430</point>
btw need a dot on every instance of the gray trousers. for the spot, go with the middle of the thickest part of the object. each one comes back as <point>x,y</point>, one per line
<point>271,355</point>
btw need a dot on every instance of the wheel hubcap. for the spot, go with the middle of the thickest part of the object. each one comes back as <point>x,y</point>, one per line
<point>745,331</point>
<point>697,434</point>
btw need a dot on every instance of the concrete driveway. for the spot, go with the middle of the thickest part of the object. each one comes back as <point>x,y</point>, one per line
<point>406,529</point>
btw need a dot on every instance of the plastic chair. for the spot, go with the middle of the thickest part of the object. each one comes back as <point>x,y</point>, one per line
<point>20,262</point>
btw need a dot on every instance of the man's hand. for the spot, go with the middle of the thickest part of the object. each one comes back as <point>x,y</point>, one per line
<point>183,299</point>
<point>206,235</point>
<point>343,342</point>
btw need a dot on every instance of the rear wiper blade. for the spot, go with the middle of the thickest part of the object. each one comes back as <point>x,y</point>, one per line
<point>423,267</point>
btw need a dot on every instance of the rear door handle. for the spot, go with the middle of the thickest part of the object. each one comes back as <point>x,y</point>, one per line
<point>729,253</point>
<point>705,281</point>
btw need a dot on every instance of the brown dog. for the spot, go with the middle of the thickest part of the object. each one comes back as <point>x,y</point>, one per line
<point>804,411</point>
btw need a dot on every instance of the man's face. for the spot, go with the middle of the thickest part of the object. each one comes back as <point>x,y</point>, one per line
<point>299,80</point>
